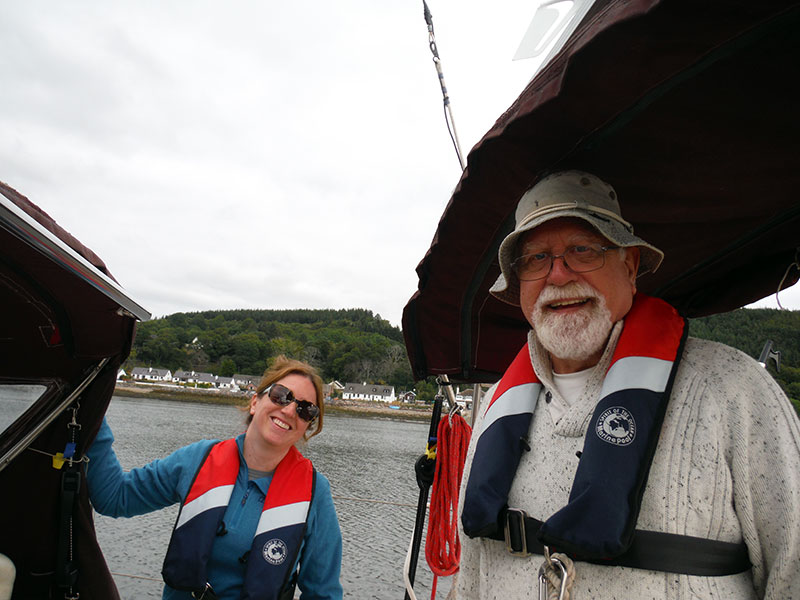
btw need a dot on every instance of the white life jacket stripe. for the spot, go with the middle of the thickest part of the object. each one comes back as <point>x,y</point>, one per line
<point>282,516</point>
<point>637,372</point>
<point>517,400</point>
<point>213,498</point>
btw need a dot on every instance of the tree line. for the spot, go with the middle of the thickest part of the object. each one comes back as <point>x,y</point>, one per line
<point>749,329</point>
<point>348,344</point>
<point>357,345</point>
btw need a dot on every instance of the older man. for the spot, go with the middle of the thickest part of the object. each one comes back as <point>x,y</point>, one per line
<point>655,466</point>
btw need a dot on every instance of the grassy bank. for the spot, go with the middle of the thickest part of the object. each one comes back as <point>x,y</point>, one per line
<point>337,407</point>
<point>172,392</point>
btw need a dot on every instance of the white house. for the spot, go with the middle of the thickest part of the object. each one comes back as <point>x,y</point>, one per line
<point>247,383</point>
<point>464,398</point>
<point>151,374</point>
<point>139,373</point>
<point>329,389</point>
<point>409,396</point>
<point>368,391</point>
<point>183,377</point>
<point>206,378</point>
<point>227,383</point>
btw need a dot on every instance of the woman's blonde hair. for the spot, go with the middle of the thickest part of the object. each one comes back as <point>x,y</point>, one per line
<point>282,367</point>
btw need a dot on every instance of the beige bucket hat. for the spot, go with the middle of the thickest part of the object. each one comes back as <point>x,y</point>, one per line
<point>569,194</point>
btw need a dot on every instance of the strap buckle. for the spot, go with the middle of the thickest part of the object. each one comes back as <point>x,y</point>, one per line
<point>514,530</point>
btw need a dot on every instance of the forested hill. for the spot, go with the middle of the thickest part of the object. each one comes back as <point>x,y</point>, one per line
<point>357,345</point>
<point>348,345</point>
<point>748,329</point>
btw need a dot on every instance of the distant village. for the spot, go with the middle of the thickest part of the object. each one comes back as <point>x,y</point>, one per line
<point>247,384</point>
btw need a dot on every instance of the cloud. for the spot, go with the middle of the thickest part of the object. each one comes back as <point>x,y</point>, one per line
<point>249,154</point>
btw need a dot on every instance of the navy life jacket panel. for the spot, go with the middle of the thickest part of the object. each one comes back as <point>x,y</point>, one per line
<point>499,447</point>
<point>600,517</point>
<point>278,536</point>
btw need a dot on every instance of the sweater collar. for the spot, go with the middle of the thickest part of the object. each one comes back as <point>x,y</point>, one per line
<point>574,421</point>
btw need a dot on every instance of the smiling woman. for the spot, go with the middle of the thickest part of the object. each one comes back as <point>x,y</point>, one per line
<point>256,519</point>
<point>286,407</point>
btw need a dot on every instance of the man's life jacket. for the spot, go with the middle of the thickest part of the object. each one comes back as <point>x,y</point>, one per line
<point>599,520</point>
<point>278,536</point>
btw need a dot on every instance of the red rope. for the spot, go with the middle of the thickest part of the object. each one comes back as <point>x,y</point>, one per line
<point>442,546</point>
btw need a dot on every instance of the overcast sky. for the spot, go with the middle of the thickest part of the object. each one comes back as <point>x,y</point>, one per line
<point>249,154</point>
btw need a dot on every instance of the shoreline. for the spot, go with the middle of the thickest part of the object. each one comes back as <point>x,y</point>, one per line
<point>356,408</point>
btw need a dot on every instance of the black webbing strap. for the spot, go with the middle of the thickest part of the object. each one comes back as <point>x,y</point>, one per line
<point>653,550</point>
<point>66,566</point>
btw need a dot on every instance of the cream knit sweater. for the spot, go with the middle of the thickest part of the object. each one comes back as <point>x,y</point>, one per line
<point>727,467</point>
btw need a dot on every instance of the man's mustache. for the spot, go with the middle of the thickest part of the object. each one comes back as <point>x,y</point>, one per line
<point>554,293</point>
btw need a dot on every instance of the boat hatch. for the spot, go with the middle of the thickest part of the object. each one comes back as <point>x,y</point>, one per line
<point>69,315</point>
<point>67,328</point>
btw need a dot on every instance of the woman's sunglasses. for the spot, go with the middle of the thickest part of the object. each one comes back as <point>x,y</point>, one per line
<point>282,396</point>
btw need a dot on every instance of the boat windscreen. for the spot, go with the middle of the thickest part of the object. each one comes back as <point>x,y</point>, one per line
<point>15,399</point>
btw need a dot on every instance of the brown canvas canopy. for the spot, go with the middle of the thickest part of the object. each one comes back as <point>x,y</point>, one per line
<point>64,321</point>
<point>689,109</point>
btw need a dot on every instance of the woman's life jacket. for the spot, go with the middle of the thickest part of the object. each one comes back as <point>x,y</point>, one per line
<point>277,538</point>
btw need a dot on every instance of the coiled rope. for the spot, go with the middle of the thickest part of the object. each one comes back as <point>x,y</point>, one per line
<point>556,576</point>
<point>442,546</point>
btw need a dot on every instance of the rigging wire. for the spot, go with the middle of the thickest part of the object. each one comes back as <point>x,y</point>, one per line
<point>795,264</point>
<point>373,501</point>
<point>448,109</point>
<point>136,576</point>
<point>428,461</point>
<point>351,498</point>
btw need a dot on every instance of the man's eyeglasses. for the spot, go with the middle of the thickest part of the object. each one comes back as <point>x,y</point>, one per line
<point>578,259</point>
<point>283,396</point>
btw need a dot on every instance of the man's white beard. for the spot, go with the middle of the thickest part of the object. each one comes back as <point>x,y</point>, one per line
<point>575,336</point>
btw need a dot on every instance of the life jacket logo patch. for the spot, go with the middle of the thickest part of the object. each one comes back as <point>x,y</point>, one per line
<point>616,426</point>
<point>274,551</point>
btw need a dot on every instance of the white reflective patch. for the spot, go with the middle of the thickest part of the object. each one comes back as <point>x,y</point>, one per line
<point>213,498</point>
<point>637,372</point>
<point>282,516</point>
<point>514,401</point>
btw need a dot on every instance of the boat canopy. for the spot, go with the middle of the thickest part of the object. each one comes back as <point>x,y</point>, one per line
<point>690,111</point>
<point>68,327</point>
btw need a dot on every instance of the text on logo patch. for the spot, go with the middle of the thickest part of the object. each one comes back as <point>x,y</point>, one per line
<point>274,551</point>
<point>616,426</point>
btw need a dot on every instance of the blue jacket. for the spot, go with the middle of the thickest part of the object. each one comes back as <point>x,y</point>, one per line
<point>166,481</point>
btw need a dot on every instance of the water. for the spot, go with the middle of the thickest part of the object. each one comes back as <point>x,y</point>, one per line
<point>362,458</point>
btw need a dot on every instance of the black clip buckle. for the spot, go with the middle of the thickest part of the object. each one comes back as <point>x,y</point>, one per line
<point>206,594</point>
<point>515,532</point>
